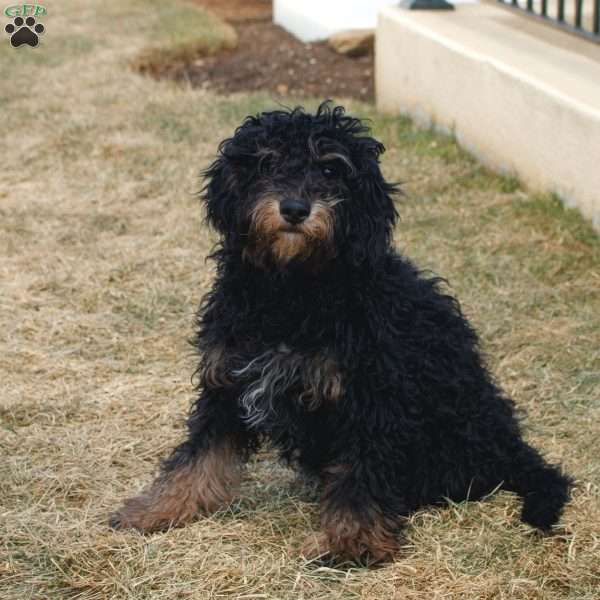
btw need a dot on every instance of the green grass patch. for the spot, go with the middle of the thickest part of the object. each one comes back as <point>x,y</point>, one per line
<point>548,214</point>
<point>182,33</point>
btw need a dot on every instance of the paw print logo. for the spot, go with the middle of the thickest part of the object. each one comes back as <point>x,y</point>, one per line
<point>24,31</point>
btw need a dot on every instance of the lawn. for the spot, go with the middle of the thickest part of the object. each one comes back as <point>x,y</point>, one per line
<point>102,264</point>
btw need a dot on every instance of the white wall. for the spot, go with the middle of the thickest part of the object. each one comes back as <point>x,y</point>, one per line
<point>312,20</point>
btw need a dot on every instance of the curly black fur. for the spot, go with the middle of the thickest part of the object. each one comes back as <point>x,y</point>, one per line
<point>354,364</point>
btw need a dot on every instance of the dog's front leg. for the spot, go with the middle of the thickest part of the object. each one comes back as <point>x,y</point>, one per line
<point>360,519</point>
<point>200,476</point>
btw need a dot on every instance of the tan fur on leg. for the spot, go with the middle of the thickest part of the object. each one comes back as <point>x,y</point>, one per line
<point>354,537</point>
<point>178,496</point>
<point>346,534</point>
<point>347,537</point>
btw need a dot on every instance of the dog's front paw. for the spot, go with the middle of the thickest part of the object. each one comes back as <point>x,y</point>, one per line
<point>118,520</point>
<point>362,550</point>
<point>366,537</point>
<point>316,546</point>
<point>134,514</point>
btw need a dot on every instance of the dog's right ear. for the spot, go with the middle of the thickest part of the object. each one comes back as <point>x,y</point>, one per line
<point>220,195</point>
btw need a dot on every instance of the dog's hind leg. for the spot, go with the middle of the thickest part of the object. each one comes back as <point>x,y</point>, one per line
<point>544,489</point>
<point>200,476</point>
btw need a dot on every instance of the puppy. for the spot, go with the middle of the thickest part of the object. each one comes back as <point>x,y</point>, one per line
<point>319,337</point>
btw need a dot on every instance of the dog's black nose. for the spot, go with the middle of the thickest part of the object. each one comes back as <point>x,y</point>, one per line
<point>293,210</point>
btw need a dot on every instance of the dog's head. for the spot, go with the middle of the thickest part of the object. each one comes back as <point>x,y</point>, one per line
<point>291,188</point>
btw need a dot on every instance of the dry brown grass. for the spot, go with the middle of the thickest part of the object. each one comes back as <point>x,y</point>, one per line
<point>102,262</point>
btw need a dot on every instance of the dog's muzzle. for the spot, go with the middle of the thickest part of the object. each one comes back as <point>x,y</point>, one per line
<point>290,227</point>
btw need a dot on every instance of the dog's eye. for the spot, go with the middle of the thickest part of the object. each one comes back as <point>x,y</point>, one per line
<point>328,171</point>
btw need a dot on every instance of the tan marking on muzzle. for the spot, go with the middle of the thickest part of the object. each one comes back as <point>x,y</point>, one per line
<point>270,235</point>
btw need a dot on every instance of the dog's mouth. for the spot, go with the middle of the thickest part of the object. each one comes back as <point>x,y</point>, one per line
<point>291,230</point>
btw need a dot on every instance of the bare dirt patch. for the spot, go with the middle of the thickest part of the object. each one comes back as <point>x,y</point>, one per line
<point>268,58</point>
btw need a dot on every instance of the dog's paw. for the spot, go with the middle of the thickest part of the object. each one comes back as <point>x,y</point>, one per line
<point>316,547</point>
<point>116,521</point>
<point>137,514</point>
<point>24,31</point>
<point>120,520</point>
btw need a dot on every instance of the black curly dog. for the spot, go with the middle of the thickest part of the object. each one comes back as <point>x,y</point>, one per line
<point>320,337</point>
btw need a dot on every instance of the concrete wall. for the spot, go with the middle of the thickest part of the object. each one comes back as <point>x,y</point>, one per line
<point>522,104</point>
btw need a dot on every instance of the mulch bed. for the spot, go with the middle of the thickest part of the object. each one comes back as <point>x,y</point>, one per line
<point>270,59</point>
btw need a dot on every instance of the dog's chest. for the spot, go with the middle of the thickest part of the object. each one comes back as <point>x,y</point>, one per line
<point>279,380</point>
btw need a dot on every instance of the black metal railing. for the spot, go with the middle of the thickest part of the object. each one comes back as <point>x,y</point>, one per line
<point>581,17</point>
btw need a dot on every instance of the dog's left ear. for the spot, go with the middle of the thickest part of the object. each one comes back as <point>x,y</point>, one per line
<point>375,222</point>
